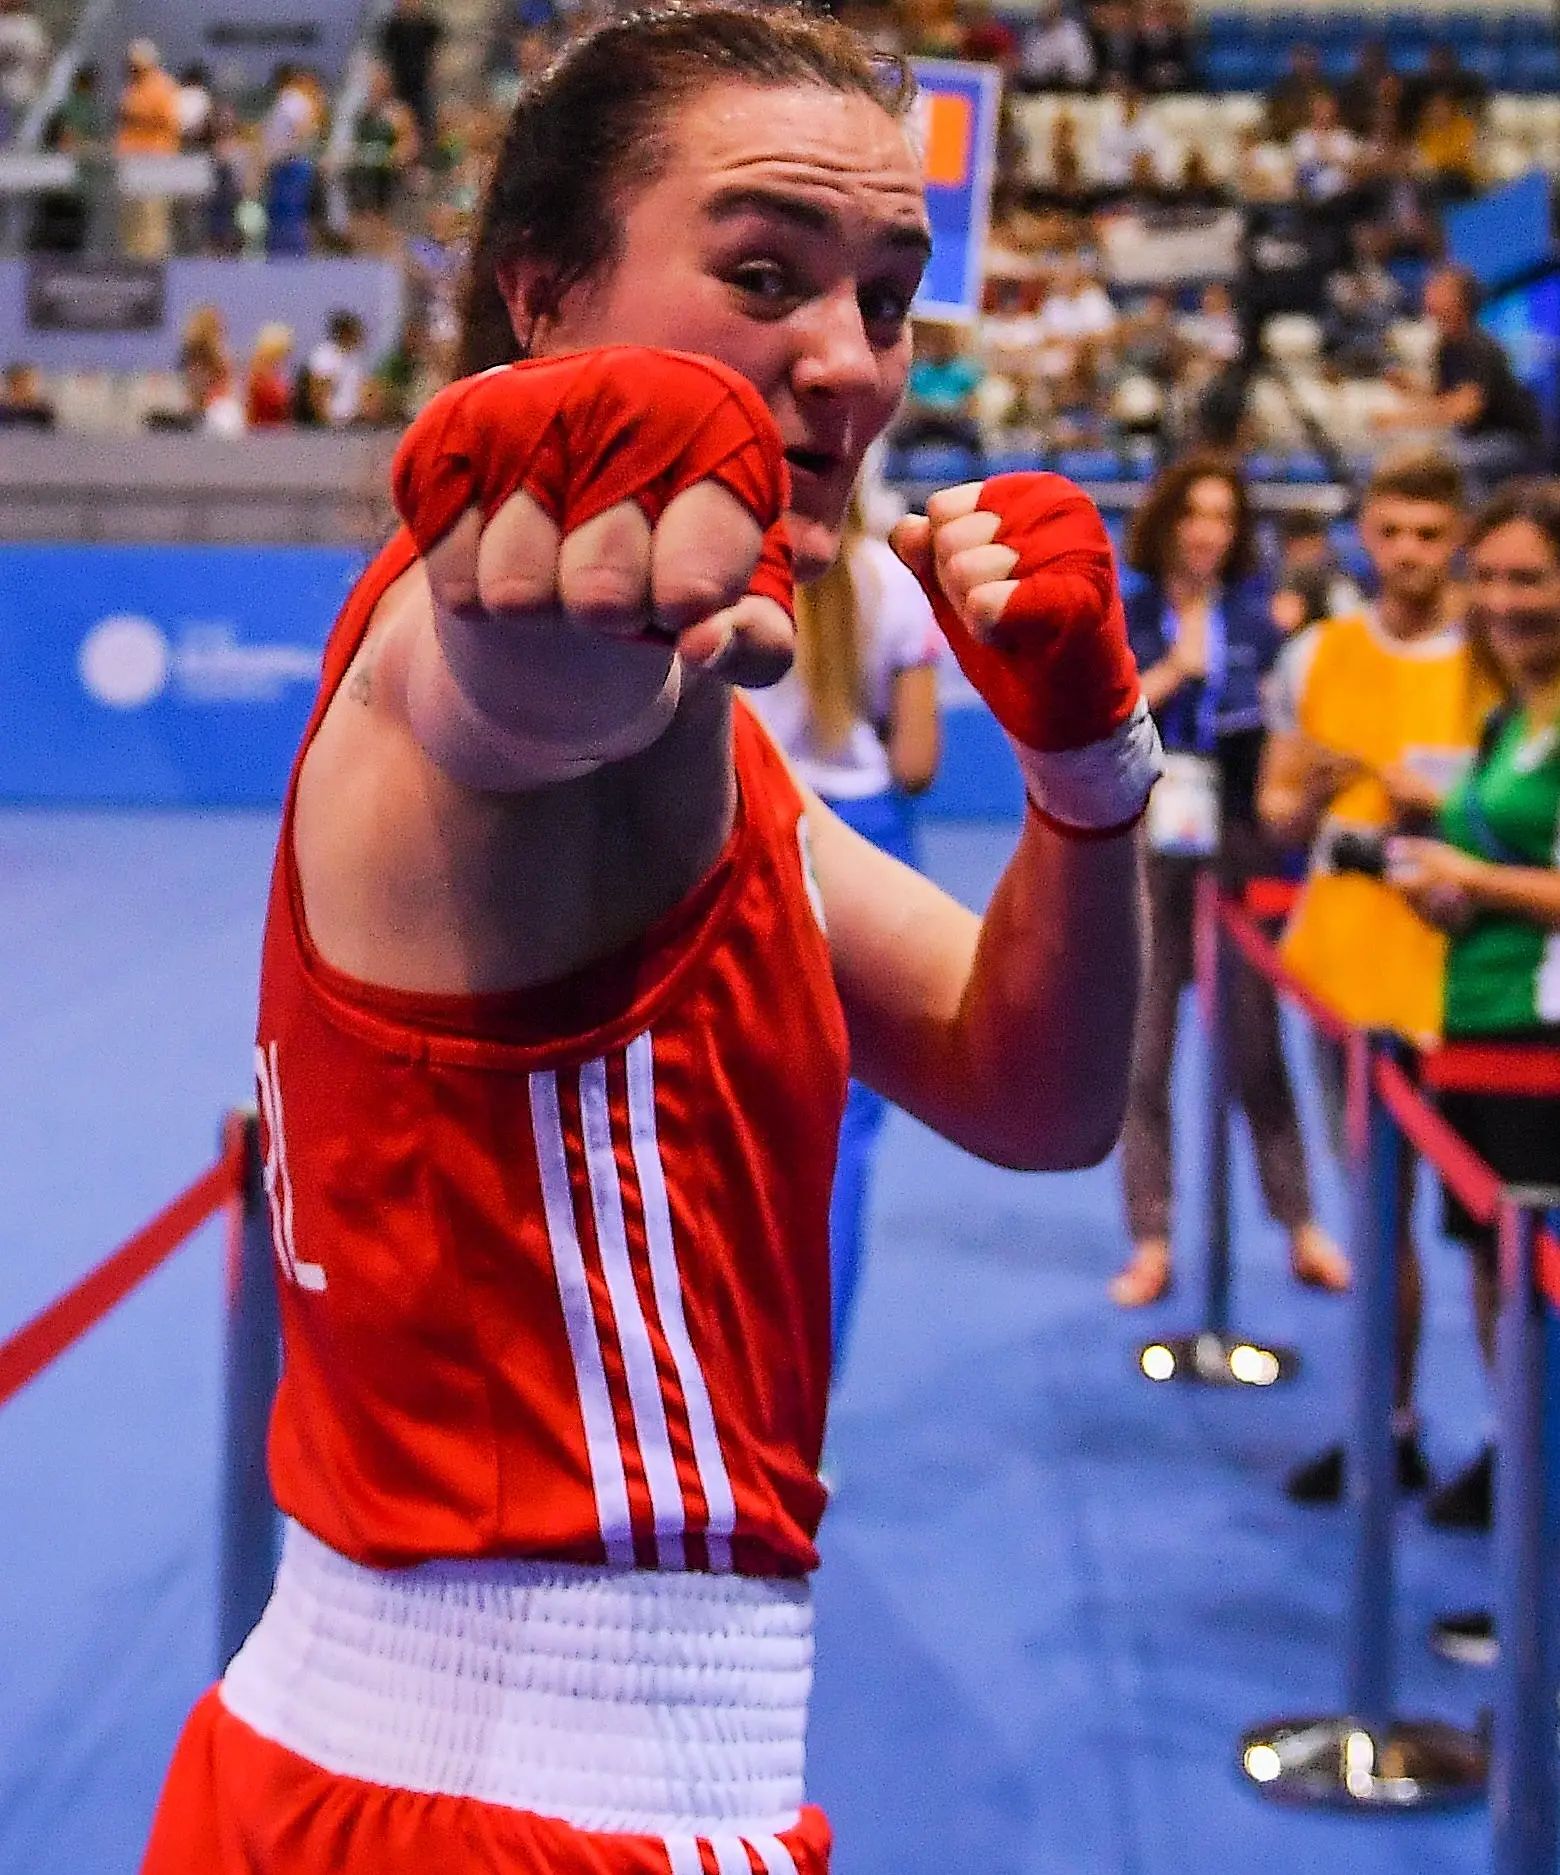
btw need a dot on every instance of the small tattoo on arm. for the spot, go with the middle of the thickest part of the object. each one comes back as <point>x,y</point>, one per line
<point>360,685</point>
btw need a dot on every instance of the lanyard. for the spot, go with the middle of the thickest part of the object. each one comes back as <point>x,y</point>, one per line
<point>1211,691</point>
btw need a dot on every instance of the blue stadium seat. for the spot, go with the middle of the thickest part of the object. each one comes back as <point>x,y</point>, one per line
<point>1015,461</point>
<point>1234,68</point>
<point>1537,68</point>
<point>1088,465</point>
<point>1263,468</point>
<point>1307,467</point>
<point>932,462</point>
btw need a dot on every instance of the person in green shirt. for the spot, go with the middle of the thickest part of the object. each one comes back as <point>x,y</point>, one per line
<point>1492,882</point>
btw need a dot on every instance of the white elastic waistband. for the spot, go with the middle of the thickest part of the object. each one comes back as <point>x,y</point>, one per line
<point>614,1700</point>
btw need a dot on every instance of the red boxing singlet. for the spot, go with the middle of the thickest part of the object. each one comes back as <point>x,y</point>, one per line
<point>554,1263</point>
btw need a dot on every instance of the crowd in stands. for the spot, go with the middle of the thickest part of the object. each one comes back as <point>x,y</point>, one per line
<point>1165,269</point>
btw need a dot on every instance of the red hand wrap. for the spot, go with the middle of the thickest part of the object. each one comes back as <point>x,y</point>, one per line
<point>1058,673</point>
<point>586,431</point>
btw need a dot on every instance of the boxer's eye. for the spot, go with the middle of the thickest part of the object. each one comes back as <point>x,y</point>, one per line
<point>765,284</point>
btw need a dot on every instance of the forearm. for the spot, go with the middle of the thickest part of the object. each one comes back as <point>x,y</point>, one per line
<point>1162,680</point>
<point>1009,1034</point>
<point>1046,1022</point>
<point>1530,892</point>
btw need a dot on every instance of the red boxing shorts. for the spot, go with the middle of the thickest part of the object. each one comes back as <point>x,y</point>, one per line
<point>237,1804</point>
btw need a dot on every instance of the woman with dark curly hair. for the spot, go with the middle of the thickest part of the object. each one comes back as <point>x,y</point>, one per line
<point>1203,634</point>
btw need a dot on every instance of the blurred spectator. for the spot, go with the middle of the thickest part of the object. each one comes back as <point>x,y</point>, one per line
<point>1287,254</point>
<point>195,108</point>
<point>1372,717</point>
<point>1078,400</point>
<point>1446,148</point>
<point>1066,184</point>
<point>1197,186</point>
<point>434,261</point>
<point>24,63</point>
<point>409,43</point>
<point>1367,300</point>
<point>1326,156</point>
<point>290,135</point>
<point>1212,333</point>
<point>23,404</point>
<point>335,374</point>
<point>940,400</point>
<point>984,38</point>
<point>1288,104</point>
<point>1489,881</point>
<point>1112,28</point>
<point>385,145</point>
<point>1309,583</point>
<point>531,51</point>
<point>197,122</point>
<point>1443,76</point>
<point>1076,313</point>
<point>1359,96</point>
<point>148,126</point>
<point>268,390</point>
<point>63,218</point>
<point>404,379</point>
<point>1401,204</point>
<point>1202,635</point>
<point>1055,54</point>
<point>1124,132</point>
<point>1164,48</point>
<point>1493,420</point>
<point>206,368</point>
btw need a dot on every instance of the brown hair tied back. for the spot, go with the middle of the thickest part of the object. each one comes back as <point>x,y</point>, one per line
<point>596,124</point>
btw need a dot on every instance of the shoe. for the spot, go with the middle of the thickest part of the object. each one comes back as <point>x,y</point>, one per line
<point>1466,1502</point>
<point>1468,1640</point>
<point>1318,1262</point>
<point>1146,1278</point>
<point>1320,1480</point>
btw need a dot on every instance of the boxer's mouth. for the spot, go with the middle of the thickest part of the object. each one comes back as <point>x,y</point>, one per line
<point>819,462</point>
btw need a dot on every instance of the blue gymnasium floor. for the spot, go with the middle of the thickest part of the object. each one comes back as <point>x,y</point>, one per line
<point>1053,1594</point>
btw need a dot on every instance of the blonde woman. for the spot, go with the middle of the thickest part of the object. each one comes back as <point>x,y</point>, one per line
<point>857,718</point>
<point>268,390</point>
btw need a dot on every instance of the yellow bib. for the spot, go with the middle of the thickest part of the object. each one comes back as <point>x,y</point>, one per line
<point>1352,939</point>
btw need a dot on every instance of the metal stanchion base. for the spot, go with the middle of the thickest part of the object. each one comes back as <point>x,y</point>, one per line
<point>1216,1360</point>
<point>1340,1764</point>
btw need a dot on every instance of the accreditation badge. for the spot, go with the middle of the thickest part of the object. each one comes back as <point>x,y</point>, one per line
<point>1183,810</point>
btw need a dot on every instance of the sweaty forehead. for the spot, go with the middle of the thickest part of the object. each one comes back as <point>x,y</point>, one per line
<point>803,137</point>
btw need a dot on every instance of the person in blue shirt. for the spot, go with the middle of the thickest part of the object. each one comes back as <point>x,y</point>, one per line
<point>1203,633</point>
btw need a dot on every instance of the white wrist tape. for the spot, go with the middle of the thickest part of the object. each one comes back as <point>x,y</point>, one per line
<point>1103,784</point>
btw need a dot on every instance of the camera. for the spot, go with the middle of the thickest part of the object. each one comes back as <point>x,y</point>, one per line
<point>1355,850</point>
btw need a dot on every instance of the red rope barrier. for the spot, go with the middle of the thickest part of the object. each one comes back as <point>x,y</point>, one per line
<point>1262,954</point>
<point>1492,1068</point>
<point>1456,1163</point>
<point>46,1337</point>
<point>1548,1272</point>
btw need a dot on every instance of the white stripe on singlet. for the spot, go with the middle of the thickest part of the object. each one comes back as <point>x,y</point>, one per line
<point>731,1856</point>
<point>682,1852</point>
<point>590,1374</point>
<point>667,1281</point>
<point>633,1331</point>
<point>774,1855</point>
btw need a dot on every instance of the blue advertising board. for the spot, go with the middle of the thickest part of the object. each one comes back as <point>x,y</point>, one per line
<point>956,127</point>
<point>161,676</point>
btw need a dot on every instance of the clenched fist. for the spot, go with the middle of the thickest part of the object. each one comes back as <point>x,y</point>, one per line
<point>595,528</point>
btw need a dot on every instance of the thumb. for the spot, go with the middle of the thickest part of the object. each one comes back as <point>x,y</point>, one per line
<point>911,539</point>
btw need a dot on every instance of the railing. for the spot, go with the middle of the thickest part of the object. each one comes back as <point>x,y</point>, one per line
<point>1367,1757</point>
<point>234,1183</point>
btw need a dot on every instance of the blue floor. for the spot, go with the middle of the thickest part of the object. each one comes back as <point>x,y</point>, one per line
<point>1053,1595</point>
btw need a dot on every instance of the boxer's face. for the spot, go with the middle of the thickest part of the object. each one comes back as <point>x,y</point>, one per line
<point>785,235</point>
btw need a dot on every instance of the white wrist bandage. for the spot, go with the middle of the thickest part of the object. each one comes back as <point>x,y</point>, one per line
<point>1104,784</point>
